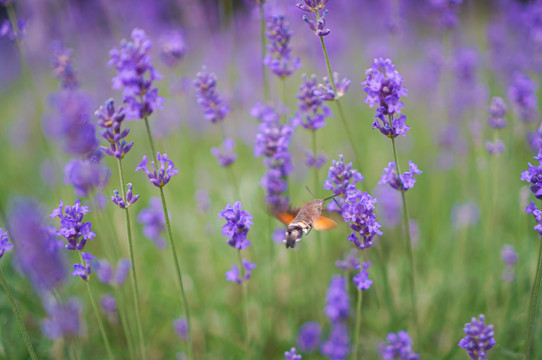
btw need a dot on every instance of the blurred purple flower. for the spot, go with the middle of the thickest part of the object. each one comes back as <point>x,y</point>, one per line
<point>202,199</point>
<point>12,34</point>
<point>227,157</point>
<point>311,5</point>
<point>213,106</point>
<point>495,148</point>
<point>104,271</point>
<point>318,28</point>
<point>64,319</point>
<point>279,55</point>
<point>383,86</point>
<point>337,302</point>
<point>479,338</point>
<point>337,346</point>
<point>72,228</point>
<point>397,347</point>
<point>87,174</point>
<point>510,257</point>
<point>110,120</point>
<point>238,223</point>
<point>402,182</point>
<point>275,185</point>
<point>358,209</point>
<point>83,270</point>
<point>326,91</point>
<point>315,161</point>
<point>181,328</point>
<point>278,235</point>
<point>350,261</point>
<point>522,94</point>
<point>166,170</point>
<point>62,63</point>
<point>153,221</point>
<point>4,243</point>
<point>361,279</point>
<point>234,274</point>
<point>533,175</point>
<point>389,209</point>
<point>497,110</point>
<point>172,47</point>
<point>312,111</point>
<point>292,354</point>
<point>308,336</point>
<point>130,198</point>
<point>446,12</point>
<point>109,305</point>
<point>537,213</point>
<point>466,214</point>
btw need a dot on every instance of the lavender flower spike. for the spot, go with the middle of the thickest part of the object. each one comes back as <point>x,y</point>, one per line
<point>292,355</point>
<point>312,112</point>
<point>319,29</point>
<point>402,182</point>
<point>533,175</point>
<point>161,177</point>
<point>227,157</point>
<point>153,221</point>
<point>398,346</point>
<point>83,270</point>
<point>72,228</point>
<point>130,198</point>
<point>361,279</point>
<point>110,119</point>
<point>358,209</point>
<point>181,328</point>
<point>479,338</point>
<point>279,52</point>
<point>212,104</point>
<point>4,244</point>
<point>497,110</point>
<point>238,222</point>
<point>172,47</point>
<point>311,5</point>
<point>337,300</point>
<point>234,274</point>
<point>326,92</point>
<point>308,336</point>
<point>62,63</point>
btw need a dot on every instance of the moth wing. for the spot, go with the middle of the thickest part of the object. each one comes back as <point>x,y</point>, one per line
<point>324,223</point>
<point>285,217</point>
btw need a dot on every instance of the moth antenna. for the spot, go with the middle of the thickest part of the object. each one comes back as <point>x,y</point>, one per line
<point>331,197</point>
<point>310,192</point>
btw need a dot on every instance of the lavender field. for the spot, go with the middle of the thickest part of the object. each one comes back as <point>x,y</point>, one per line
<point>162,163</point>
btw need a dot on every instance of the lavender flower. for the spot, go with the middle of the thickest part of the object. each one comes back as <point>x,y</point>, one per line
<point>389,209</point>
<point>238,222</point>
<point>337,302</point>
<point>104,271</point>
<point>397,347</point>
<point>64,319</point>
<point>130,198</point>
<point>391,127</point>
<point>72,228</point>
<point>533,175</point>
<point>497,110</point>
<point>537,213</point>
<point>234,274</point>
<point>495,148</point>
<point>326,92</point>
<point>358,209</point>
<point>292,354</point>
<point>12,34</point>
<point>341,179</point>
<point>311,5</point>
<point>279,55</point>
<point>510,257</point>
<point>402,182</point>
<point>315,161</point>
<point>350,261</point>
<point>361,279</point>
<point>161,177</point>
<point>478,338</point>
<point>463,215</point>
<point>83,270</point>
<point>337,346</point>
<point>318,28</point>
<point>87,174</point>
<point>275,186</point>
<point>522,93</point>
<point>62,63</point>
<point>446,12</point>
<point>212,104</point>
<point>111,120</point>
<point>227,157</point>
<point>312,112</point>
<point>308,336</point>
<point>109,305</point>
<point>154,222</point>
<point>172,47</point>
<point>136,75</point>
<point>181,328</point>
<point>4,243</point>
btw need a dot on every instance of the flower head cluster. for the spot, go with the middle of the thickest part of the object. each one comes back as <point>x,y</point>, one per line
<point>227,157</point>
<point>510,257</point>
<point>106,275</point>
<point>72,228</point>
<point>341,179</point>
<point>234,275</point>
<point>312,112</point>
<point>349,262</point>
<point>4,243</point>
<point>389,208</point>
<point>130,198</point>
<point>110,120</point>
<point>533,175</point>
<point>402,182</point>
<point>537,213</point>
<point>361,279</point>
<point>160,177</point>
<point>496,147</point>
<point>62,63</point>
<point>308,336</point>
<point>318,28</point>
<point>522,93</point>
<point>337,300</point>
<point>311,5</point>
<point>397,347</point>
<point>446,11</point>
<point>292,355</point>
<point>87,174</point>
<point>181,328</point>
<point>497,110</point>
<point>238,223</point>
<point>64,319</point>
<point>279,53</point>
<point>172,47</point>
<point>136,75</point>
<point>83,270</point>
<point>311,160</point>
<point>154,222</point>
<point>359,211</point>
<point>478,338</point>
<point>13,34</point>
<point>337,346</point>
<point>213,106</point>
<point>109,305</point>
<point>326,90</point>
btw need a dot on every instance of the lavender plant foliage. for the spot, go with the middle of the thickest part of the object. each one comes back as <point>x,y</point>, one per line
<point>87,174</point>
<point>309,336</point>
<point>312,111</point>
<point>64,319</point>
<point>136,75</point>
<point>533,175</point>
<point>479,338</point>
<point>337,346</point>
<point>341,179</point>
<point>402,182</point>
<point>160,177</point>
<point>172,47</point>
<point>83,270</point>
<point>180,326</point>
<point>4,243</point>
<point>361,279</point>
<point>227,156</point>
<point>337,301</point>
<point>72,228</point>
<point>106,275</point>
<point>397,347</point>
<point>238,223</point>
<point>326,91</point>
<point>359,211</point>
<point>292,354</point>
<point>279,52</point>
<point>153,221</point>
<point>110,120</point>
<point>522,94</point>
<point>62,63</point>
<point>125,203</point>
<point>234,275</point>
<point>213,106</point>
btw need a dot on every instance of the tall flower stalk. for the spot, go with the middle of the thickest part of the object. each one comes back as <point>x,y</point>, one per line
<point>4,247</point>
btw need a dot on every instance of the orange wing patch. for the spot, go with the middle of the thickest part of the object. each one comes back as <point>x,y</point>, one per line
<point>285,217</point>
<point>324,223</point>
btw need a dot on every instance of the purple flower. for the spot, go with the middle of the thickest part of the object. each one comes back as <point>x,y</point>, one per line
<point>391,127</point>
<point>209,100</point>
<point>104,271</point>
<point>154,222</point>
<point>202,199</point>
<point>537,213</point>
<point>172,47</point>
<point>64,319</point>
<point>312,111</point>
<point>238,222</point>
<point>315,161</point>
<point>510,257</point>
<point>308,336</point>
<point>389,209</point>
<point>227,157</point>
<point>383,86</point>
<point>163,175</point>
<point>275,185</point>
<point>13,34</point>
<point>72,228</point>
<point>341,179</point>
<point>402,182</point>
<point>358,209</point>
<point>311,5</point>
<point>87,174</point>
<point>478,338</point>
<point>181,328</point>
<point>136,75</point>
<point>397,347</point>
<point>497,110</point>
<point>533,175</point>
<point>83,270</point>
<point>463,215</point>
<point>279,55</point>
<point>318,28</point>
<point>4,243</point>
<point>111,120</point>
<point>495,148</point>
<point>326,91</point>
<point>337,346</point>
<point>337,302</point>
<point>292,354</point>
<point>234,274</point>
<point>109,304</point>
<point>62,63</point>
<point>522,94</point>
<point>446,12</point>
<point>130,198</point>
<point>361,279</point>
<point>350,261</point>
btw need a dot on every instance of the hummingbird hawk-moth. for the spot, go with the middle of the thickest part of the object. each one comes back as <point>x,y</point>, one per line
<point>302,221</point>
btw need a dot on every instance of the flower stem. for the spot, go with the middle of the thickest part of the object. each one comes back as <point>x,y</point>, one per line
<point>408,243</point>
<point>149,136</point>
<point>179,273</point>
<point>135,288</point>
<point>358,314</point>
<point>18,316</point>
<point>264,68</point>
<point>229,168</point>
<point>124,323</point>
<point>245,301</point>
<point>535,292</point>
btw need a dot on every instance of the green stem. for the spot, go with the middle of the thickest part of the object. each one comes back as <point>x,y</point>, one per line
<point>18,316</point>
<point>124,322</point>
<point>245,299</point>
<point>229,168</point>
<point>535,292</point>
<point>264,68</point>
<point>178,270</point>
<point>408,242</point>
<point>135,288</point>
<point>358,313</point>
<point>149,136</point>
